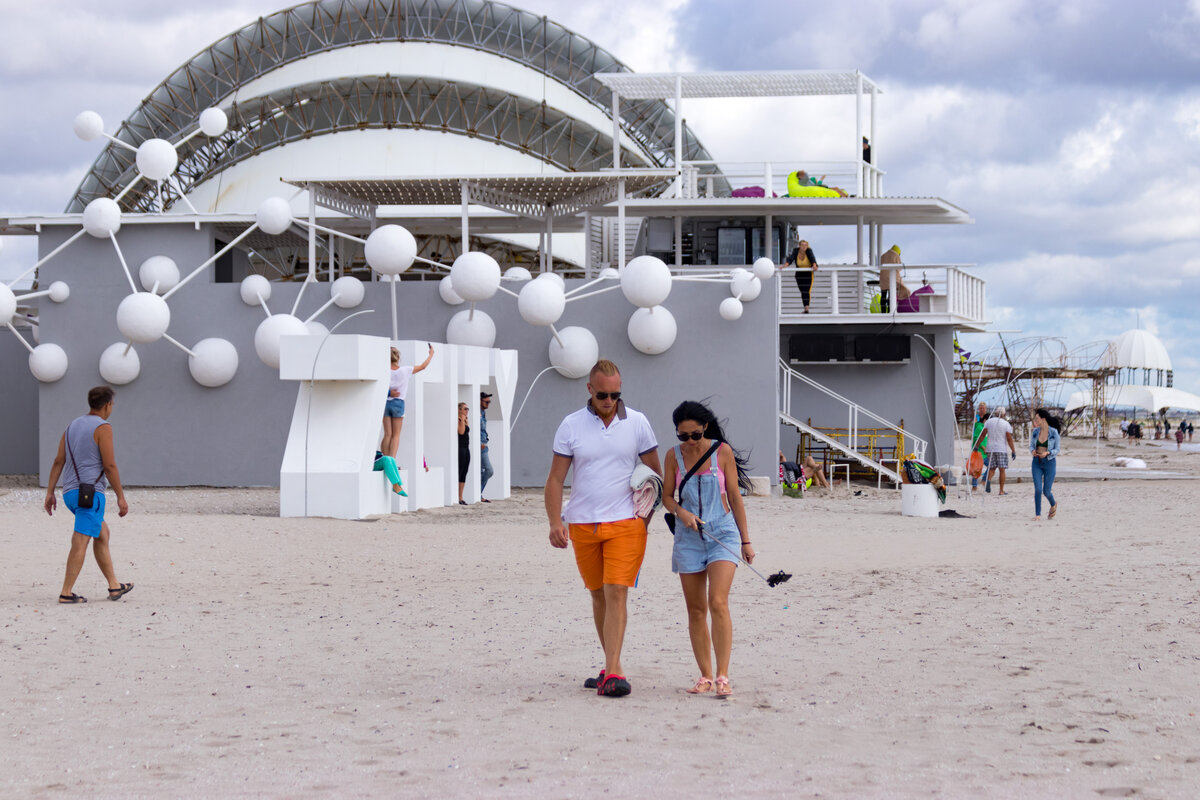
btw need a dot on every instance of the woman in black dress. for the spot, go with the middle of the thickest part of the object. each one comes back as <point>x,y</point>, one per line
<point>464,449</point>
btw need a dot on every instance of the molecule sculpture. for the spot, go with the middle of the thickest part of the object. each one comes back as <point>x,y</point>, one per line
<point>47,362</point>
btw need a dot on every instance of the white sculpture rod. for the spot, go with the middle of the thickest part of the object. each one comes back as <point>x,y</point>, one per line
<point>177,344</point>
<point>118,142</point>
<point>51,255</point>
<point>579,289</point>
<point>253,227</point>
<point>395,319</point>
<point>330,231</point>
<point>112,237</point>
<point>592,294</point>
<point>182,196</point>
<point>20,338</point>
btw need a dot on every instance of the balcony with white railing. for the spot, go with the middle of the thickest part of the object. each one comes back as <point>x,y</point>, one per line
<point>702,179</point>
<point>941,294</point>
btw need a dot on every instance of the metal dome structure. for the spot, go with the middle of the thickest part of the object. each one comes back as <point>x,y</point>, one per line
<point>1137,349</point>
<point>227,73</point>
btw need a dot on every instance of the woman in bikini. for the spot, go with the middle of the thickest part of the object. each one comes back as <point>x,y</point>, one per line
<point>1043,446</point>
<point>710,531</point>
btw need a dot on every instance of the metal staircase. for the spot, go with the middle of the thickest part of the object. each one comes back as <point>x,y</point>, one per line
<point>789,376</point>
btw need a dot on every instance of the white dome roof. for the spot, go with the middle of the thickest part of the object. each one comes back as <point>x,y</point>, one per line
<point>1137,349</point>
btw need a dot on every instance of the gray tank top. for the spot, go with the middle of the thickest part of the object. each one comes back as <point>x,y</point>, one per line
<point>81,436</point>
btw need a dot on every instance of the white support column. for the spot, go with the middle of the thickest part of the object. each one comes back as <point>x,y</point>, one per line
<point>549,238</point>
<point>678,135</point>
<point>871,244</point>
<point>312,233</point>
<point>587,245</point>
<point>858,130</point>
<point>833,283</point>
<point>466,225</point>
<point>876,180</point>
<point>620,225</point>
<point>858,240</point>
<point>768,239</point>
<point>616,134</point>
<point>678,241</point>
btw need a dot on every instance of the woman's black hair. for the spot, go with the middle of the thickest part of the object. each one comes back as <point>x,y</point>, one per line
<point>1051,420</point>
<point>700,413</point>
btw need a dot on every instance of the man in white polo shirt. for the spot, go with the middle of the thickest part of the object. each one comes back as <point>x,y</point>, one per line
<point>604,441</point>
<point>999,445</point>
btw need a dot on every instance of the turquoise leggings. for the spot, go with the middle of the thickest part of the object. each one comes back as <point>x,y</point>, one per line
<point>387,465</point>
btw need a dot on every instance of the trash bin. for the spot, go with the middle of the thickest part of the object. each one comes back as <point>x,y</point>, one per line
<point>918,500</point>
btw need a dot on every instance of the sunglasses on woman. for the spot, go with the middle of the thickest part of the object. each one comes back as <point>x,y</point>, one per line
<point>694,436</point>
<point>606,395</point>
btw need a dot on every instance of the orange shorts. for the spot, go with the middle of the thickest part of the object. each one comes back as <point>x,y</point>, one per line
<point>609,552</point>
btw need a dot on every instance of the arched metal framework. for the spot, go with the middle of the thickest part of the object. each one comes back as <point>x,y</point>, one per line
<point>214,76</point>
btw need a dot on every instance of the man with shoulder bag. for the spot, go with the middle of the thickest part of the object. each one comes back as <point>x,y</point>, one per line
<point>85,453</point>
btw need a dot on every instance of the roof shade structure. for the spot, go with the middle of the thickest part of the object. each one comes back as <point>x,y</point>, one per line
<point>1137,349</point>
<point>347,101</point>
<point>1148,398</point>
<point>781,83</point>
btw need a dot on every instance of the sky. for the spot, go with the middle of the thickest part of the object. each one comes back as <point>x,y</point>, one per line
<point>1068,130</point>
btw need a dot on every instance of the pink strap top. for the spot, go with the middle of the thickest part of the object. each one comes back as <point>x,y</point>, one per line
<point>713,468</point>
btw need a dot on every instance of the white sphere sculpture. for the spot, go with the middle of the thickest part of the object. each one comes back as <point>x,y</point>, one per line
<point>646,281</point>
<point>274,216</point>
<point>8,305</point>
<point>745,285</point>
<point>541,302</point>
<point>390,250</point>
<point>476,329</point>
<point>316,328</point>
<point>270,331</point>
<point>88,125</point>
<point>254,287</point>
<point>347,291</point>
<point>730,309</point>
<point>143,317</point>
<point>652,330</point>
<point>156,159</point>
<point>118,366</point>
<point>59,291</point>
<point>517,274</point>
<point>213,122</point>
<point>213,362</point>
<point>476,276</point>
<point>552,276</point>
<point>448,295</point>
<point>102,217</point>
<point>48,362</point>
<point>160,270</point>
<point>577,353</point>
<point>609,273</point>
<point>763,268</point>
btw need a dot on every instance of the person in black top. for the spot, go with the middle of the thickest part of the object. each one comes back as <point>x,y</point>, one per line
<point>464,449</point>
<point>866,150</point>
<point>806,265</point>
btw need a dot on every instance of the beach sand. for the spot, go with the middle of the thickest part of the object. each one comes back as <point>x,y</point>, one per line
<point>442,653</point>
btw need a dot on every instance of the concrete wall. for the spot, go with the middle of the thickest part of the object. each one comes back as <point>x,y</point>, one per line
<point>171,431</point>
<point>18,408</point>
<point>917,393</point>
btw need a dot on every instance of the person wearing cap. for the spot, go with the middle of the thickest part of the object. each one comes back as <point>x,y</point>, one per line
<point>485,460</point>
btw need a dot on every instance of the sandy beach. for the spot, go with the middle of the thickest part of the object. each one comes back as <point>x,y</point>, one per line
<point>442,653</point>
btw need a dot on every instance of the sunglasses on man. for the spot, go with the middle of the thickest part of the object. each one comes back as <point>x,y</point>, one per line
<point>606,395</point>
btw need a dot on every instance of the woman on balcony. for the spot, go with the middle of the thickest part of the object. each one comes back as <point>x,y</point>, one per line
<point>805,262</point>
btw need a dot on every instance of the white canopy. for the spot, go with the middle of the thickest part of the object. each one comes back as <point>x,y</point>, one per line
<point>1137,349</point>
<point>1150,398</point>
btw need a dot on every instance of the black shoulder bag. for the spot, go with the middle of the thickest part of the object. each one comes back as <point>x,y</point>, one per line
<point>668,517</point>
<point>87,491</point>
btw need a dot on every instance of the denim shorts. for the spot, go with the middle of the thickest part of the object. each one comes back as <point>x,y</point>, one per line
<point>87,520</point>
<point>394,407</point>
<point>693,551</point>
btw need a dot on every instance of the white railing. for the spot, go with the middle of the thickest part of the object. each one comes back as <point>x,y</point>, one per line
<point>700,177</point>
<point>847,290</point>
<point>853,411</point>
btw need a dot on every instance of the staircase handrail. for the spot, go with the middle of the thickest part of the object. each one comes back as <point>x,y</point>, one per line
<point>921,444</point>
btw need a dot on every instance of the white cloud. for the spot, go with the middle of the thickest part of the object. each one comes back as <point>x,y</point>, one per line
<point>1090,151</point>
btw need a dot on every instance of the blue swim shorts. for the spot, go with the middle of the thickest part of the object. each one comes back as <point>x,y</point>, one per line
<point>87,520</point>
<point>693,551</point>
<point>394,407</point>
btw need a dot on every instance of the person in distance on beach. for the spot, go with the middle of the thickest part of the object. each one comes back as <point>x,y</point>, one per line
<point>464,449</point>
<point>603,442</point>
<point>88,447</point>
<point>709,512</point>
<point>1044,445</point>
<point>485,458</point>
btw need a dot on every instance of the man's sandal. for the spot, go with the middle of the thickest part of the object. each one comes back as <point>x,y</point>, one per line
<point>117,594</point>
<point>71,598</point>
<point>702,686</point>
<point>723,687</point>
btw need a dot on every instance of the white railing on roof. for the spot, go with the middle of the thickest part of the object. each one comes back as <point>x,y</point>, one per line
<point>847,289</point>
<point>700,177</point>
<point>854,411</point>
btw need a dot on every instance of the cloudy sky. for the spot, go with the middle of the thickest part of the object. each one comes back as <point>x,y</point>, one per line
<point>1069,130</point>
